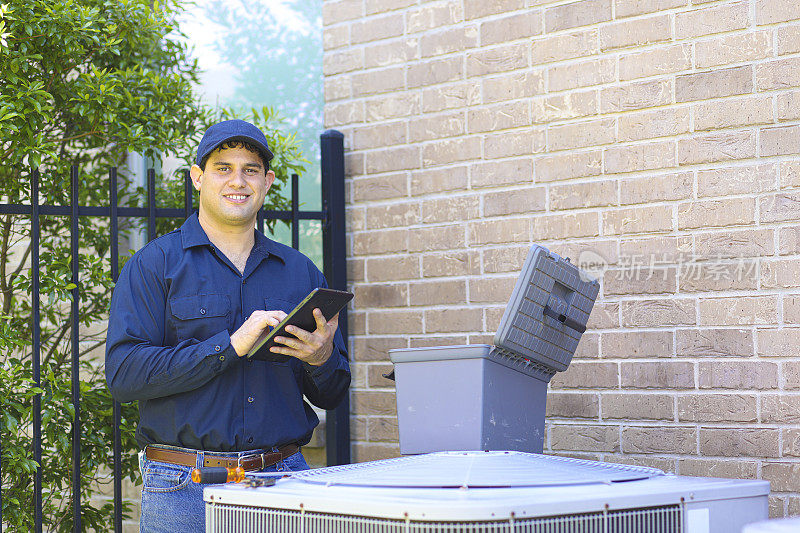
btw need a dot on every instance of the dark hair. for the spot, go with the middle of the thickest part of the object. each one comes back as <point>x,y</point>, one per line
<point>236,144</point>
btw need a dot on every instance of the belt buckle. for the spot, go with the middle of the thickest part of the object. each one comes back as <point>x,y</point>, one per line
<point>261,455</point>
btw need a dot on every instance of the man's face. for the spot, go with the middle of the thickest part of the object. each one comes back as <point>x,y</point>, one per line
<point>232,187</point>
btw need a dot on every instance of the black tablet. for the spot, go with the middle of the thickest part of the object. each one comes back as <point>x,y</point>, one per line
<point>328,301</point>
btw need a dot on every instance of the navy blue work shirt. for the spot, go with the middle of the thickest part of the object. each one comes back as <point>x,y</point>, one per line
<point>175,304</point>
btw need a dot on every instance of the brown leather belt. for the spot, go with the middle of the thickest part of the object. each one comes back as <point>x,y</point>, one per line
<point>252,462</point>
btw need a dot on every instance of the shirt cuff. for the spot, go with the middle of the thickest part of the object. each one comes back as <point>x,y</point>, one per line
<point>324,371</point>
<point>221,354</point>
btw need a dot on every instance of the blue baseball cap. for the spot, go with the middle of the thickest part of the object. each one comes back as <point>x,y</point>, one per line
<point>232,130</point>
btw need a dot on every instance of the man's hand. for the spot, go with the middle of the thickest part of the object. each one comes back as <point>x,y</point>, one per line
<point>245,337</point>
<point>312,347</point>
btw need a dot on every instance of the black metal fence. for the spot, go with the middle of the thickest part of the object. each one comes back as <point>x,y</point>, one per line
<point>332,218</point>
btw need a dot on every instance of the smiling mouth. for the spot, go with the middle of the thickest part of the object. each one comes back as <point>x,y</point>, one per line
<point>237,197</point>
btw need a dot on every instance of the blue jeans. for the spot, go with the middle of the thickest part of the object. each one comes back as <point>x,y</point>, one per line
<point>173,503</point>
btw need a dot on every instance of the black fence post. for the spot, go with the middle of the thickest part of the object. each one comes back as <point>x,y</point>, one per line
<point>337,425</point>
<point>76,423</point>
<point>36,354</point>
<point>114,252</point>
<point>295,213</point>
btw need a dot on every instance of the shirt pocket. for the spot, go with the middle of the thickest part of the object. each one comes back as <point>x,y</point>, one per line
<point>200,316</point>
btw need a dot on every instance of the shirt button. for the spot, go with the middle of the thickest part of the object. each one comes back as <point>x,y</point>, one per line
<point>250,439</point>
<point>250,399</point>
<point>221,357</point>
<point>202,311</point>
<point>217,348</point>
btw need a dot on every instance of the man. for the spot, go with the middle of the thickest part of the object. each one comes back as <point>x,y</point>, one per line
<point>186,310</point>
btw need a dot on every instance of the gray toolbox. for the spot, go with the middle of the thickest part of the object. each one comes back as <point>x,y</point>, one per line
<point>482,397</point>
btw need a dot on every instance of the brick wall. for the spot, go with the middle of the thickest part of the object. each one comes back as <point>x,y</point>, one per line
<point>654,141</point>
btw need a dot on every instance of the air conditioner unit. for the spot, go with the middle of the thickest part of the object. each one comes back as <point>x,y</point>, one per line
<point>487,492</point>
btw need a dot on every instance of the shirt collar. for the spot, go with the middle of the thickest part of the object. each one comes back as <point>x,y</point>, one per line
<point>193,234</point>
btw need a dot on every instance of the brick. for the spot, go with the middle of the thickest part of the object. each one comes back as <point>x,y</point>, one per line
<point>741,243</point>
<point>781,140</point>
<point>567,166</point>
<point>791,442</point>
<point>510,28</point>
<point>735,442</point>
<point>736,180</point>
<point>714,147</point>
<point>514,143</point>
<point>435,71</point>
<point>660,439</point>
<point>481,8</point>
<point>393,322</point>
<point>643,190</point>
<point>450,264</point>
<point>449,40</point>
<point>658,312</point>
<point>636,32</point>
<point>353,166</point>
<point>357,323</point>
<point>657,375</point>
<point>755,375</point>
<point>638,280</point>
<point>781,342</point>
<point>587,375</point>
<point>780,408</point>
<point>381,295</point>
<point>431,16</point>
<point>780,207</point>
<point>604,316</point>
<point>445,151</point>
<point>663,122</point>
<point>380,6</point>
<point>715,19</point>
<point>727,113</point>
<point>514,202</point>
<point>393,159</point>
<point>667,465</point>
<point>493,174</point>
<point>498,117</point>
<point>572,405</point>
<point>450,208</point>
<point>648,251</point>
<point>492,317</point>
<point>637,344</point>
<point>375,379</point>
<point>341,10</point>
<point>392,216</point>
<point>789,240</point>
<point>636,95</point>
<point>355,270</point>
<point>714,342</point>
<point>717,276</point>
<point>337,88</point>
<point>737,48</point>
<point>637,157</point>
<point>791,374</point>
<point>436,127</point>
<point>564,106</point>
<point>551,227</point>
<point>716,408</point>
<point>382,429</point>
<point>455,319</point>
<point>342,61</point>
<point>379,242</point>
<point>788,105</point>
<point>590,255</point>
<point>434,238</point>
<point>498,231</point>
<point>736,469</point>
<point>709,213</point>
<point>573,45</point>
<point>584,437</point>
<point>635,406</point>
<point>494,60</point>
<point>581,74</point>
<point>392,268</point>
<point>788,40</point>
<point>791,309</point>
<point>779,274</point>
<point>377,28</point>
<point>439,180</point>
<point>438,340</point>
<point>654,62</point>
<point>363,451</point>
<point>588,347</point>
<point>646,219</point>
<point>714,84</point>
<point>582,195</point>
<point>513,86</point>
<point>789,174</point>
<point>630,8</point>
<point>778,74</point>
<point>439,292</point>
<point>379,135</point>
<point>374,348</point>
<point>392,106</point>
<point>382,54</point>
<point>491,290</point>
<point>772,11</point>
<point>782,476</point>
<point>504,259</point>
<point>735,311</point>
<point>575,14</point>
<point>373,403</point>
<point>581,134</point>
<point>335,37</point>
<point>344,113</point>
